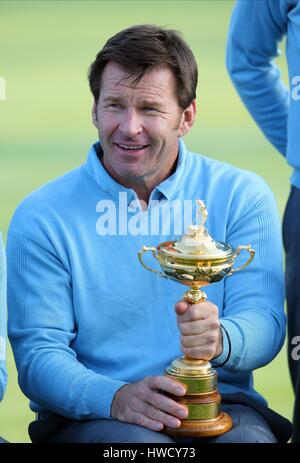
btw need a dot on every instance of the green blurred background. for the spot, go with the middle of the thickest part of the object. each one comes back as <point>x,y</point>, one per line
<point>45,127</point>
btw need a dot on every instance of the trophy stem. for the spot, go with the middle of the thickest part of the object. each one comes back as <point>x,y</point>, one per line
<point>194,295</point>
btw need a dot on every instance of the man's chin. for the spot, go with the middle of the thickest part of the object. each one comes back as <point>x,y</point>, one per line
<point>133,176</point>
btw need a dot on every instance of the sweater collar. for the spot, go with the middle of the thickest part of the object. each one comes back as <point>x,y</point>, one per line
<point>164,190</point>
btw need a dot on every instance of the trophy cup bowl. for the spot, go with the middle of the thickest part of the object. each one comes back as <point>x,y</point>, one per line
<point>196,260</point>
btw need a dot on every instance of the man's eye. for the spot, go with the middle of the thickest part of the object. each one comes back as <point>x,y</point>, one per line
<point>114,105</point>
<point>149,108</point>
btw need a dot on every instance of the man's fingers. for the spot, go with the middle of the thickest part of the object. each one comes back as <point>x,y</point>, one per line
<point>143,420</point>
<point>209,337</point>
<point>169,406</point>
<point>142,403</point>
<point>200,353</point>
<point>194,312</point>
<point>199,326</point>
<point>156,424</point>
<point>166,384</point>
<point>159,409</point>
<point>192,328</point>
<point>154,414</point>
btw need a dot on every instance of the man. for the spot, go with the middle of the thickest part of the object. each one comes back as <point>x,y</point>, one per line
<point>3,374</point>
<point>92,331</point>
<point>255,32</point>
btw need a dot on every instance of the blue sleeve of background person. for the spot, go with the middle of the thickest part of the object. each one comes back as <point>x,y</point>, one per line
<point>255,31</point>
<point>3,319</point>
<point>41,327</point>
<point>256,322</point>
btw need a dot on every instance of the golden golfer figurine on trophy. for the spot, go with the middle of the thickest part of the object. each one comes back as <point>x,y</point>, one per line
<point>196,260</point>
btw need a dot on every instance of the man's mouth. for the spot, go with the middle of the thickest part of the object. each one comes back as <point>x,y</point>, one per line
<point>131,147</point>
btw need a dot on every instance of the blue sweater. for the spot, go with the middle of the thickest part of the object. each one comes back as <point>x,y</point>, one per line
<point>255,31</point>
<point>3,318</point>
<point>85,317</point>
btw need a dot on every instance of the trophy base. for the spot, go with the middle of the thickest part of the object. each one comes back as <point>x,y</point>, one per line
<point>202,428</point>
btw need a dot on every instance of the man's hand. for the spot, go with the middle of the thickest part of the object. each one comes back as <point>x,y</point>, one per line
<point>142,403</point>
<point>201,336</point>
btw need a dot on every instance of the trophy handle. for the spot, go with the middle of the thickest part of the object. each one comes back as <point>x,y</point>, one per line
<point>154,250</point>
<point>238,250</point>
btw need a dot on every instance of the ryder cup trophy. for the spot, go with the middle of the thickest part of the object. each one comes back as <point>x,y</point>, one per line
<point>196,260</point>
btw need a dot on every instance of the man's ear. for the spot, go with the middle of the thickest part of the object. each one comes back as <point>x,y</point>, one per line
<point>187,120</point>
<point>94,115</point>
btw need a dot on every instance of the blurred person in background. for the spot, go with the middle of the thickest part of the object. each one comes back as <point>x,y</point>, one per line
<point>256,29</point>
<point>91,331</point>
<point>3,318</point>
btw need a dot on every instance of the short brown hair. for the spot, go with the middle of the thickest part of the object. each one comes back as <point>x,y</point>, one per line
<point>140,48</point>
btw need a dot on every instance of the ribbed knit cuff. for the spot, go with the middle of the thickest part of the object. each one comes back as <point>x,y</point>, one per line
<point>99,397</point>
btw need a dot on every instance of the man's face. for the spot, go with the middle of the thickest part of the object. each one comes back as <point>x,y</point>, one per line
<point>139,126</point>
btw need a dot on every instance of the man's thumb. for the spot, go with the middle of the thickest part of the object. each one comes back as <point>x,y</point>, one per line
<point>181,307</point>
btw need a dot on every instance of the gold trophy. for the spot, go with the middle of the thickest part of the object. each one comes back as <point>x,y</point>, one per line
<point>196,260</point>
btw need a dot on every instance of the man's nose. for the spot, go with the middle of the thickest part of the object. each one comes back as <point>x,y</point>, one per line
<point>131,123</point>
